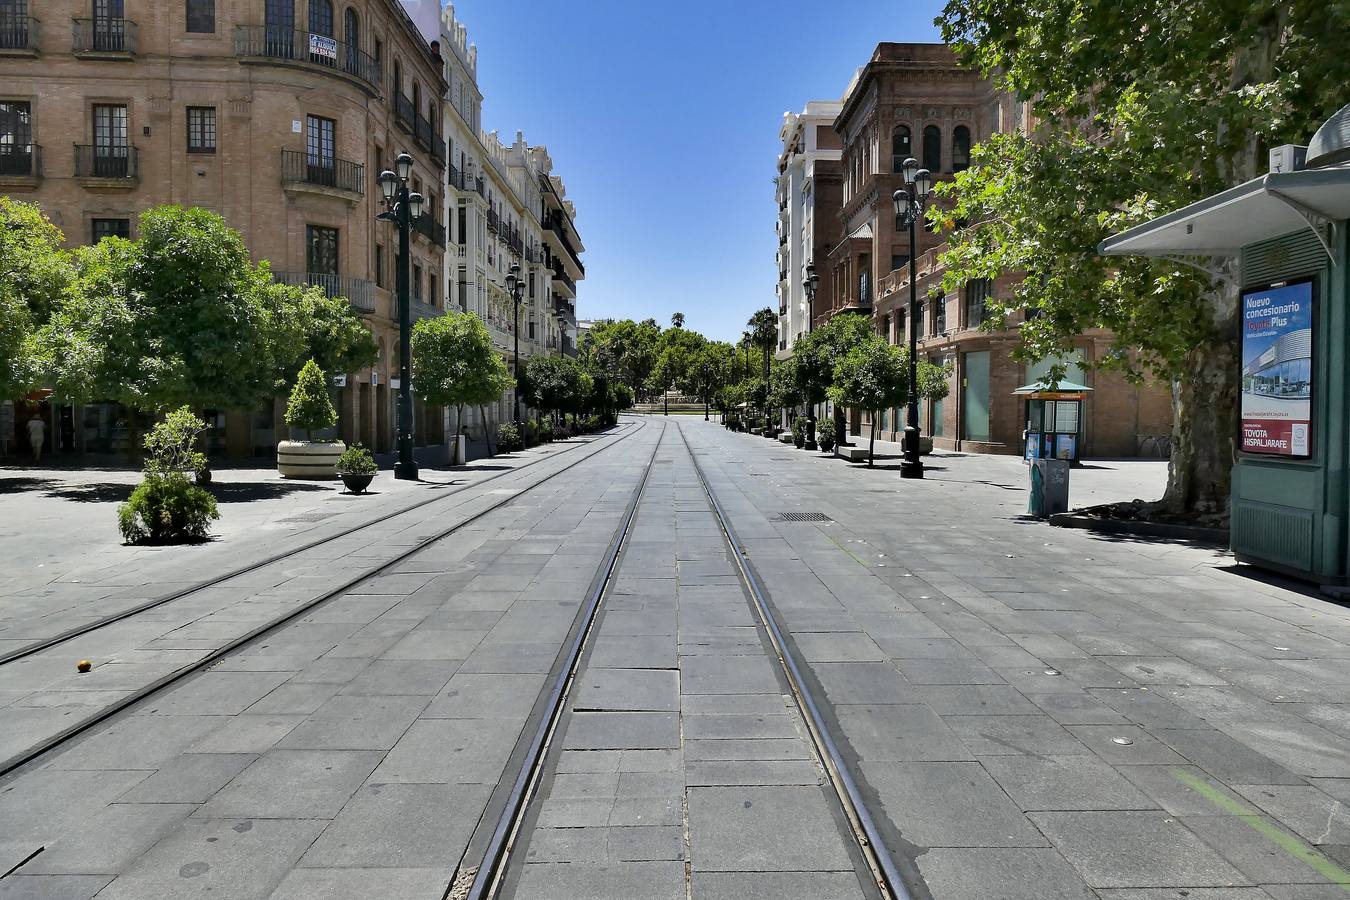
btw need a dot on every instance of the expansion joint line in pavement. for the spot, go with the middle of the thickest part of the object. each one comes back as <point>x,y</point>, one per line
<point>79,630</point>
<point>50,743</point>
<point>488,874</point>
<point>865,832</point>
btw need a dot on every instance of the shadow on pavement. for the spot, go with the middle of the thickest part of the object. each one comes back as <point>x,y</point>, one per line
<point>21,484</point>
<point>243,491</point>
<point>93,492</point>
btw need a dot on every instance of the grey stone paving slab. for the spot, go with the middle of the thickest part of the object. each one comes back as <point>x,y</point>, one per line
<point>296,698</point>
<point>1064,783</point>
<point>948,804</point>
<point>137,742</point>
<point>636,652</point>
<point>1015,736</point>
<point>52,887</point>
<point>728,675</point>
<point>1306,810</point>
<point>362,884</point>
<point>722,727</point>
<point>732,772</point>
<point>532,658</point>
<point>1149,707</point>
<point>295,784</point>
<point>628,689</point>
<point>355,723</point>
<point>451,751</point>
<point>622,730</point>
<point>575,846</point>
<point>1077,708</point>
<point>474,696</point>
<point>1236,893</point>
<point>1301,747</point>
<point>972,700</point>
<point>246,734</point>
<point>399,826</point>
<point>190,778</point>
<point>863,683</point>
<point>1253,852</point>
<point>837,647</point>
<point>1227,759</point>
<point>775,829</point>
<point>246,860</point>
<point>1014,874</point>
<point>110,841</point>
<point>1136,849</point>
<point>619,881</point>
<point>753,749</point>
<point>1126,745</point>
<point>777,886</point>
<point>900,732</point>
<point>402,676</point>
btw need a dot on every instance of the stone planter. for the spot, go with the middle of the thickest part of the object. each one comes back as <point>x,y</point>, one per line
<point>309,459</point>
<point>357,483</point>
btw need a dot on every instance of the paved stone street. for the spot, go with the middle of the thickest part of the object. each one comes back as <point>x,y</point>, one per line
<point>1027,711</point>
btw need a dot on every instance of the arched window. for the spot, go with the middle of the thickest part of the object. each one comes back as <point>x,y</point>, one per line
<point>321,17</point>
<point>960,148</point>
<point>932,148</point>
<point>351,34</point>
<point>902,147</point>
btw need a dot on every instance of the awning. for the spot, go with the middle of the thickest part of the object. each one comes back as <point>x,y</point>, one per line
<point>1265,207</point>
<point>1061,390</point>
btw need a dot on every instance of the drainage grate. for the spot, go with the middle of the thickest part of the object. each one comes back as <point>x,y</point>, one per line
<point>304,518</point>
<point>801,517</point>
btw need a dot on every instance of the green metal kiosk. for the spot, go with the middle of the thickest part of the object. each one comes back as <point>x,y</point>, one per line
<point>1290,509</point>
<point>1054,419</point>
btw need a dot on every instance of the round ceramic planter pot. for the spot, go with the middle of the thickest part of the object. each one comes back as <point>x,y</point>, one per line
<point>357,484</point>
<point>309,459</point>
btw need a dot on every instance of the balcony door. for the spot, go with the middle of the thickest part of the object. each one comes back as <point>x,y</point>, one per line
<point>109,25</point>
<point>279,18</point>
<point>319,158</point>
<point>322,46</point>
<point>110,141</point>
<point>16,138</point>
<point>13,24</point>
<point>321,257</point>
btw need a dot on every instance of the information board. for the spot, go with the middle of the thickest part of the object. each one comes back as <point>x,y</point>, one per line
<point>1275,414</point>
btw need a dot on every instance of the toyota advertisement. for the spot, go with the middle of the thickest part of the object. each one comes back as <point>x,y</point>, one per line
<point>1276,408</point>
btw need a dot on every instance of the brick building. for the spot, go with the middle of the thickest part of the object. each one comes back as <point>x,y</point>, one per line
<point>916,100</point>
<point>276,114</point>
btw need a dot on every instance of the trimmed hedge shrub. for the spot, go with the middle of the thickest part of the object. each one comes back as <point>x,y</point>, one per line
<point>165,508</point>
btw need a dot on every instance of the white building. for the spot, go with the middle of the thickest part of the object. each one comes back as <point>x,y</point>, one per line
<point>503,208</point>
<point>811,152</point>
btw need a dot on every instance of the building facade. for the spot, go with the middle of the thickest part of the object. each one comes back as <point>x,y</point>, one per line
<point>279,115</point>
<point>916,100</point>
<point>808,195</point>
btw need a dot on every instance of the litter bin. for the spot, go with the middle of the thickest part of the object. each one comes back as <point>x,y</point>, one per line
<point>1049,487</point>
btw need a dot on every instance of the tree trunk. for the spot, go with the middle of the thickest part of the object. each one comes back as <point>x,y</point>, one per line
<point>487,432</point>
<point>1204,413</point>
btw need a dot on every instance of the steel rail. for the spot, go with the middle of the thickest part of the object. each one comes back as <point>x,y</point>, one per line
<point>865,832</point>
<point>488,874</point>
<point>79,630</point>
<point>29,754</point>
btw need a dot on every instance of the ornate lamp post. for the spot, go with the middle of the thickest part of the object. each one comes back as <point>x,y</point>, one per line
<point>909,208</point>
<point>809,282</point>
<point>401,207</point>
<point>516,285</point>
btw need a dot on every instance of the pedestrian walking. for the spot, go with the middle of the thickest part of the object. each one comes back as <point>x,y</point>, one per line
<point>37,434</point>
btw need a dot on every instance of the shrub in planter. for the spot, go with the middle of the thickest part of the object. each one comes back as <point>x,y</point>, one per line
<point>545,431</point>
<point>799,425</point>
<point>825,434</point>
<point>167,506</point>
<point>508,437</point>
<point>309,410</point>
<point>357,468</point>
<point>562,432</point>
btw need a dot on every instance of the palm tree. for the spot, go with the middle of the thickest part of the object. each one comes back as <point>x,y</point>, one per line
<point>677,320</point>
<point>764,331</point>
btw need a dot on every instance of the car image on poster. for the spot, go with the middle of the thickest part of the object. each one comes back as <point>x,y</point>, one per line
<point>1276,405</point>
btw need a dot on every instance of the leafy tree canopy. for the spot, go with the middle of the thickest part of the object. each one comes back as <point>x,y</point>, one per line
<point>454,362</point>
<point>34,271</point>
<point>310,408</point>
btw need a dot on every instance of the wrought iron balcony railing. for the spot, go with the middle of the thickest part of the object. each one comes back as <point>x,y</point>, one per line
<point>359,292</point>
<point>430,229</point>
<point>298,167</point>
<point>305,47</point>
<point>100,161</point>
<point>20,161</point>
<point>405,116</point>
<point>104,34</point>
<point>18,32</point>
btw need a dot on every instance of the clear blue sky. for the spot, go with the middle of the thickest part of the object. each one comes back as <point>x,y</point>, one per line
<point>663,120</point>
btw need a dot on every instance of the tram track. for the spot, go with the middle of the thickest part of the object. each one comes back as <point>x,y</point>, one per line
<point>484,878</point>
<point>85,628</point>
<point>56,740</point>
<point>865,832</point>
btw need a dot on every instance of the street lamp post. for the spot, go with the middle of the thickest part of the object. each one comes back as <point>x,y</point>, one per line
<point>516,285</point>
<point>401,207</point>
<point>909,207</point>
<point>809,281</point>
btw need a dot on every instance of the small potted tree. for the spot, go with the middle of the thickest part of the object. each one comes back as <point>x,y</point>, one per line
<point>357,468</point>
<point>310,409</point>
<point>825,435</point>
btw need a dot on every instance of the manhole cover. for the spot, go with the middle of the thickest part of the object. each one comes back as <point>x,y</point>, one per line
<point>801,517</point>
